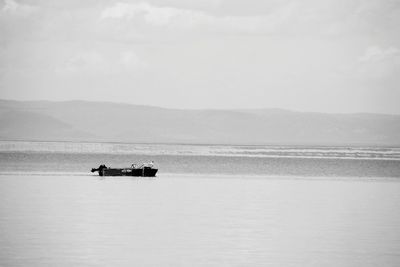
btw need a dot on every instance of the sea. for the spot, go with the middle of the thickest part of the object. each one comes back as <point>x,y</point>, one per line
<point>209,205</point>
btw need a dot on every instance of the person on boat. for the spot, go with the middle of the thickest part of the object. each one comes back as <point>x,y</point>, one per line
<point>147,164</point>
<point>100,168</point>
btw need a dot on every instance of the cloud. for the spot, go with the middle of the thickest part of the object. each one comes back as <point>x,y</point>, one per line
<point>330,18</point>
<point>178,18</point>
<point>13,8</point>
<point>292,17</point>
<point>154,15</point>
<point>101,61</point>
<point>10,6</point>
<point>86,61</point>
<point>130,60</point>
<point>375,54</point>
<point>379,65</point>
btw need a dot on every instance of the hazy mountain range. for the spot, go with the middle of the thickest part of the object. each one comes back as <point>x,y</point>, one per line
<point>115,122</point>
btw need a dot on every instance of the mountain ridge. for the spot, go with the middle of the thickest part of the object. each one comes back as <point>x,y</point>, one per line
<point>80,120</point>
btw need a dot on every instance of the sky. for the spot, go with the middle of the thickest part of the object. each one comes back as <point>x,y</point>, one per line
<point>336,56</point>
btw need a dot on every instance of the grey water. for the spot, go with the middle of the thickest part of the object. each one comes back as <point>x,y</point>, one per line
<point>205,207</point>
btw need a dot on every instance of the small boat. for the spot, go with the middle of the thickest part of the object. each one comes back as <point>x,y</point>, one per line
<point>145,170</point>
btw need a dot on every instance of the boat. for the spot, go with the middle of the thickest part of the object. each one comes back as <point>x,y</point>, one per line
<point>144,170</point>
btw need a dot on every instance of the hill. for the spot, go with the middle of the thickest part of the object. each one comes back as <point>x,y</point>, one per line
<point>115,122</point>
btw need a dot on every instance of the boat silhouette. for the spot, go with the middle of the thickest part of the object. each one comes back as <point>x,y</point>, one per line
<point>144,170</point>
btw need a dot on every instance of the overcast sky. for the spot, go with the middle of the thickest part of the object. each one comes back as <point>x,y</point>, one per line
<point>308,55</point>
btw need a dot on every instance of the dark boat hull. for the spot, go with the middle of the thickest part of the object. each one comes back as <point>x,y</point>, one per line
<point>144,172</point>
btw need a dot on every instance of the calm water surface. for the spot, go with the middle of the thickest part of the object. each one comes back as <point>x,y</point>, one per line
<point>198,220</point>
<point>209,206</point>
